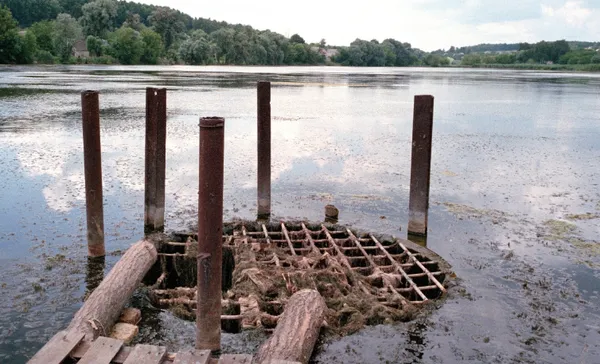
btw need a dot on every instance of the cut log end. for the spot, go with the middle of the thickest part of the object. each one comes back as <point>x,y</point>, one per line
<point>297,331</point>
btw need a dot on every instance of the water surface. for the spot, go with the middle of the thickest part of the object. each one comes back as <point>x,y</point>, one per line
<point>515,153</point>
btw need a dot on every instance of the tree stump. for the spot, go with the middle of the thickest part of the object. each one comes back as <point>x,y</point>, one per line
<point>297,331</point>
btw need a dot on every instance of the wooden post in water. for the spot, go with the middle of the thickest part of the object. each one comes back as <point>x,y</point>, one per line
<point>264,149</point>
<point>156,138</point>
<point>92,161</point>
<point>420,165</point>
<point>210,234</point>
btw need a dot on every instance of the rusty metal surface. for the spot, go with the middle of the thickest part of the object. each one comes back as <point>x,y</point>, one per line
<point>210,232</point>
<point>390,265</point>
<point>155,156</point>
<point>264,149</point>
<point>92,160</point>
<point>418,205</point>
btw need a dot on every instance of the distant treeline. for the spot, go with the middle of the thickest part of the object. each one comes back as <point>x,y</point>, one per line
<point>132,33</point>
<point>110,31</point>
<point>541,53</point>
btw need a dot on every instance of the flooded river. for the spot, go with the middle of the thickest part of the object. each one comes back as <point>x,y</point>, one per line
<point>515,196</point>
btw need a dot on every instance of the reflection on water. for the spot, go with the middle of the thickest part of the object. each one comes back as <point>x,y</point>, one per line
<point>418,239</point>
<point>94,273</point>
<point>511,150</point>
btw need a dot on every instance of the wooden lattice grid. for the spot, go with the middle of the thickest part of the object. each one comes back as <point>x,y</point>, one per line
<point>411,275</point>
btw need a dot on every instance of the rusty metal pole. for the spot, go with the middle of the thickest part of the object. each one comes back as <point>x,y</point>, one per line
<point>264,149</point>
<point>418,205</point>
<point>92,161</point>
<point>156,136</point>
<point>210,234</point>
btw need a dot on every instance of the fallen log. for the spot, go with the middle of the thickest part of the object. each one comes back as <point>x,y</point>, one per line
<point>103,307</point>
<point>297,330</point>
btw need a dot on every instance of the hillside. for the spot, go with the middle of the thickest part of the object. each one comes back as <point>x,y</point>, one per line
<point>111,31</point>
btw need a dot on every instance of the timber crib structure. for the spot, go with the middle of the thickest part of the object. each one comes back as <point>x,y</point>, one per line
<point>393,270</point>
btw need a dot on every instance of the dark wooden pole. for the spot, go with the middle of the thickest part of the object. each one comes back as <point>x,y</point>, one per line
<point>92,160</point>
<point>420,165</point>
<point>210,234</point>
<point>264,149</point>
<point>156,137</point>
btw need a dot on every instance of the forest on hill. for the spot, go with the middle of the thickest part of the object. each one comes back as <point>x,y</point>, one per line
<point>125,32</point>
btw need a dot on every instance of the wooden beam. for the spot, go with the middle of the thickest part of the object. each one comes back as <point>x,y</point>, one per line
<point>57,349</point>
<point>147,354</point>
<point>102,351</point>
<point>235,359</point>
<point>193,357</point>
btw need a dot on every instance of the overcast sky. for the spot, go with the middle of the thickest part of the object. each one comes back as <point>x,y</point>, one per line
<point>426,24</point>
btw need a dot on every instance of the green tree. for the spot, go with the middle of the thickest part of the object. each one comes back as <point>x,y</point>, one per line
<point>44,32</point>
<point>98,17</point>
<point>134,21</point>
<point>9,36</point>
<point>167,23</point>
<point>66,32</point>
<point>153,46</point>
<point>72,7</point>
<point>198,49</point>
<point>297,39</point>
<point>506,58</point>
<point>95,45</point>
<point>472,59</point>
<point>224,40</point>
<point>27,12</point>
<point>26,48</point>
<point>126,45</point>
<point>435,60</point>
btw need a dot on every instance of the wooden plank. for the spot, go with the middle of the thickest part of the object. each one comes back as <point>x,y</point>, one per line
<point>84,346</point>
<point>193,357</point>
<point>102,351</point>
<point>235,359</point>
<point>57,349</point>
<point>147,354</point>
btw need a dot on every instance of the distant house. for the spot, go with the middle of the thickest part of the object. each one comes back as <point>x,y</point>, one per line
<point>80,49</point>
<point>328,53</point>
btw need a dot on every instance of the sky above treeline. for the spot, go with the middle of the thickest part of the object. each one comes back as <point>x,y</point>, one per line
<point>426,24</point>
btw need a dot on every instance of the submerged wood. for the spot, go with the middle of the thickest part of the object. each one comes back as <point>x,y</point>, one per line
<point>103,307</point>
<point>297,331</point>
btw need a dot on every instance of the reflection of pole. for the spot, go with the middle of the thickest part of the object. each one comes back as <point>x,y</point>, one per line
<point>210,234</point>
<point>418,239</point>
<point>264,149</point>
<point>92,162</point>
<point>94,273</point>
<point>420,165</point>
<point>156,136</point>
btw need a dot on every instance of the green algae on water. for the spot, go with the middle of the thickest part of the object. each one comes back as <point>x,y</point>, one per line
<point>461,210</point>
<point>559,229</point>
<point>586,216</point>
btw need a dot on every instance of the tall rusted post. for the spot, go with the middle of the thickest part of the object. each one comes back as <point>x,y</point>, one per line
<point>156,137</point>
<point>264,149</point>
<point>92,161</point>
<point>420,165</point>
<point>210,234</point>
